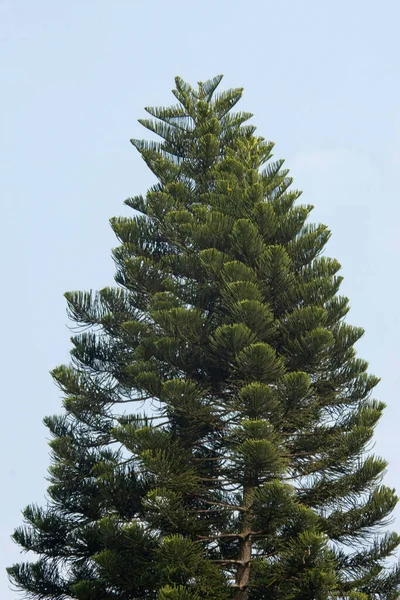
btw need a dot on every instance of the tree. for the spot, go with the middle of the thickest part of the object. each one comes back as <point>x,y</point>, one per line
<point>216,414</point>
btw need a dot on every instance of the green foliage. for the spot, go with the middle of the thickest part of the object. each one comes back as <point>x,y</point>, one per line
<point>216,415</point>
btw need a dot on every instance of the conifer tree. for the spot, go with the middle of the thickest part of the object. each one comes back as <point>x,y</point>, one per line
<point>216,417</point>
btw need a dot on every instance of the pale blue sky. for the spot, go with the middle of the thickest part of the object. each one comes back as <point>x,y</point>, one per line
<point>322,79</point>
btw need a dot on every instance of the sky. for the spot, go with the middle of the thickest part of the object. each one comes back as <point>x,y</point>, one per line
<point>322,81</point>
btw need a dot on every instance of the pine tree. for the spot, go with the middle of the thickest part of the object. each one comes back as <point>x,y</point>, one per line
<point>213,443</point>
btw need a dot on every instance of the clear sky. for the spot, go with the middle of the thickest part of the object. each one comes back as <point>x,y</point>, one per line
<point>322,79</point>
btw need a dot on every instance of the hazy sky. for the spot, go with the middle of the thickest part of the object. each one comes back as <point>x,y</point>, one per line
<point>322,79</point>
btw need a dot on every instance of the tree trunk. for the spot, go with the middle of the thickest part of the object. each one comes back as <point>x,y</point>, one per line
<point>245,547</point>
<point>243,572</point>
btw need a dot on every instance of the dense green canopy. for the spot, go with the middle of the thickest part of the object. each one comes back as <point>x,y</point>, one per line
<point>216,414</point>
